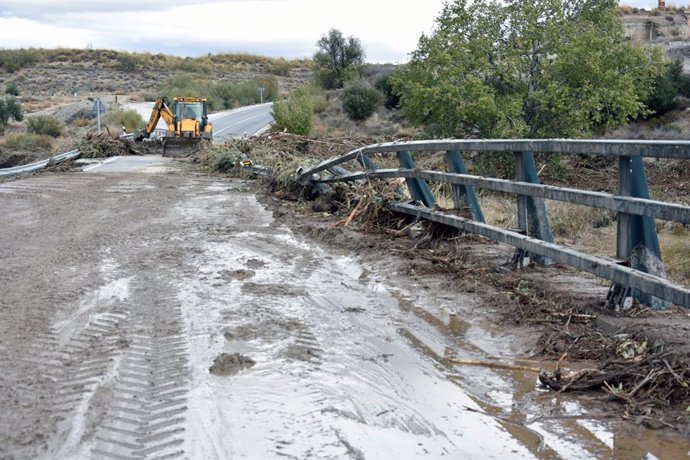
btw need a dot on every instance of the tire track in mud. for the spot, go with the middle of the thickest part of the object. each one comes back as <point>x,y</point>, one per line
<point>77,364</point>
<point>120,381</point>
<point>149,393</point>
<point>45,186</point>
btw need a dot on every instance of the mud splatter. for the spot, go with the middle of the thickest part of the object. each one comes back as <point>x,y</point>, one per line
<point>228,364</point>
<point>237,275</point>
<point>255,264</point>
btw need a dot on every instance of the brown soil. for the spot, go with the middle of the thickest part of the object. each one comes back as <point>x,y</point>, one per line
<point>228,364</point>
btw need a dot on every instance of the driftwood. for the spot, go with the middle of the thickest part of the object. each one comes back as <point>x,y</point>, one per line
<point>492,365</point>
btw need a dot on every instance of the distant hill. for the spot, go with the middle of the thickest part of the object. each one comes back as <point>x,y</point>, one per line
<point>44,72</point>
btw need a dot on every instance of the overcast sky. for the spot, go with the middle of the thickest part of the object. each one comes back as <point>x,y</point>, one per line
<point>389,29</point>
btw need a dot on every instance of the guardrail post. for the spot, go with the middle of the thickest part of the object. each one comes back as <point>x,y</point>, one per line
<point>623,241</point>
<point>637,236</point>
<point>532,216</point>
<point>621,296</point>
<point>419,189</point>
<point>636,240</point>
<point>463,195</point>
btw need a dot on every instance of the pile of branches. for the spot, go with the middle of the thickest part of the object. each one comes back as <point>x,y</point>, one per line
<point>367,205</point>
<point>106,145</point>
<point>321,148</point>
<point>650,386</point>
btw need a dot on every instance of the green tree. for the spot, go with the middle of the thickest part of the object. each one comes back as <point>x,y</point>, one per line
<point>518,68</point>
<point>9,108</point>
<point>338,59</point>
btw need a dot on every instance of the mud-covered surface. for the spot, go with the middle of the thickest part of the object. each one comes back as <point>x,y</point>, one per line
<point>638,357</point>
<point>118,293</point>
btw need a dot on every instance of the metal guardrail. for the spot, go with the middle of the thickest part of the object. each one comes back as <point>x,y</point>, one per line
<point>15,170</point>
<point>71,155</point>
<point>638,270</point>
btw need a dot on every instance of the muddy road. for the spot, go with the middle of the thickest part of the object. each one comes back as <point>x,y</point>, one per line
<point>159,313</point>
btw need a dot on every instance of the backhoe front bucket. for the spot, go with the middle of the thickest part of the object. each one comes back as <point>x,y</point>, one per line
<point>180,146</point>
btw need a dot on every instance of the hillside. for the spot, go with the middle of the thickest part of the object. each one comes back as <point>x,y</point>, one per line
<point>42,74</point>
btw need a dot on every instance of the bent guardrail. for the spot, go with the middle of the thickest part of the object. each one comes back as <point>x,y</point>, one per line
<point>637,272</point>
<point>31,167</point>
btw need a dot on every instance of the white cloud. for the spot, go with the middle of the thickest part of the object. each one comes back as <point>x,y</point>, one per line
<point>25,33</point>
<point>389,29</point>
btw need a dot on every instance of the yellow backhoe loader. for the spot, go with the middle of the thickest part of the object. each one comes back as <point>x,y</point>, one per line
<point>187,124</point>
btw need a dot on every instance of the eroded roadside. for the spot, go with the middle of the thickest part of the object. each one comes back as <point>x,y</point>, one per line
<point>119,293</point>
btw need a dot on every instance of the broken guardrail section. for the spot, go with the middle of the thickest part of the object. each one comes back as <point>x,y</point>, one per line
<point>637,271</point>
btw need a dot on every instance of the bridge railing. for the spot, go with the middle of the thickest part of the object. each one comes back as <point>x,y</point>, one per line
<point>637,271</point>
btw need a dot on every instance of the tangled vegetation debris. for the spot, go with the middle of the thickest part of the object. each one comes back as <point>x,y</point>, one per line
<point>109,145</point>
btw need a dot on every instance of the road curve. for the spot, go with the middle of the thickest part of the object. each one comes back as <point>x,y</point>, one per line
<point>245,121</point>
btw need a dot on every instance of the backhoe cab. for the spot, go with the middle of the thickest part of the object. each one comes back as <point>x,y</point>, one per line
<point>187,125</point>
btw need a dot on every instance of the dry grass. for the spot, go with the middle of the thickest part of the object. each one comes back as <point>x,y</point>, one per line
<point>499,210</point>
<point>28,143</point>
<point>574,223</point>
<point>673,125</point>
<point>675,249</point>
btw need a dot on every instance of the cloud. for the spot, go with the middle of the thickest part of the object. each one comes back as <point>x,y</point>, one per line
<point>45,8</point>
<point>388,29</point>
<point>25,33</point>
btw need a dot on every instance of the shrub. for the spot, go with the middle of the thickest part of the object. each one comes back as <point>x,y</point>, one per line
<point>45,125</point>
<point>127,61</point>
<point>390,99</point>
<point>12,89</point>
<point>28,142</point>
<point>13,60</point>
<point>130,119</point>
<point>294,114</point>
<point>360,101</point>
<point>193,65</point>
<point>81,122</point>
<point>667,87</point>
<point>278,67</point>
<point>9,108</point>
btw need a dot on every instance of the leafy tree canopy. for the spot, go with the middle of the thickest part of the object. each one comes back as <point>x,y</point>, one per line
<point>338,59</point>
<point>527,68</point>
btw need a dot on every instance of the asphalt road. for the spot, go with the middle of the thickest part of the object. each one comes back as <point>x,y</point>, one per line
<point>245,121</point>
